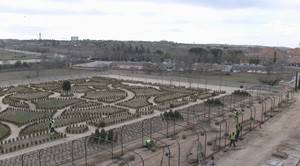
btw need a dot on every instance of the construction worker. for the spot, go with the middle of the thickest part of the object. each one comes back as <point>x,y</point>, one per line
<point>238,131</point>
<point>232,137</point>
<point>212,161</point>
<point>148,143</point>
<point>52,126</point>
<point>236,116</point>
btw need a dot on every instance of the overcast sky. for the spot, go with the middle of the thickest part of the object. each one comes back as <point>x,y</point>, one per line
<point>253,22</point>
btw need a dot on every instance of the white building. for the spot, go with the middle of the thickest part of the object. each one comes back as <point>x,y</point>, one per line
<point>74,38</point>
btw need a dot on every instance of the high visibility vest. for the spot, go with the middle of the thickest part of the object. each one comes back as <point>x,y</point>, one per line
<point>51,125</point>
<point>236,114</point>
<point>232,136</point>
<point>147,142</point>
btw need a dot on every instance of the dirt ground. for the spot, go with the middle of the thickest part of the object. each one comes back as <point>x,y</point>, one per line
<point>279,134</point>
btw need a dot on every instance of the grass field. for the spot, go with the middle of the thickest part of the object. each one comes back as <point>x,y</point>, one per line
<point>4,131</point>
<point>21,117</point>
<point>43,75</point>
<point>53,103</point>
<point>30,96</point>
<point>213,78</point>
<point>8,55</point>
<point>136,102</point>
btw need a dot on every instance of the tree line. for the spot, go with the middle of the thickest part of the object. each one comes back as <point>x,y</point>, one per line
<point>137,51</point>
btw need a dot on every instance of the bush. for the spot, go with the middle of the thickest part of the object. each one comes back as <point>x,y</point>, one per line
<point>178,116</point>
<point>110,135</point>
<point>172,115</point>
<point>241,93</point>
<point>102,135</point>
<point>214,102</point>
<point>102,124</point>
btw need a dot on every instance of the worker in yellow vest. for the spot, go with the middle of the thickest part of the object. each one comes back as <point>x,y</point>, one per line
<point>148,143</point>
<point>232,138</point>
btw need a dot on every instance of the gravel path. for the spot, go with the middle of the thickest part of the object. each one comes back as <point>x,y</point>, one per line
<point>2,105</point>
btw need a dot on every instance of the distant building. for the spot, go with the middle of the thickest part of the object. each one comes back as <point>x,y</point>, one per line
<point>96,65</point>
<point>74,38</point>
<point>168,65</point>
<point>227,69</point>
<point>248,68</point>
<point>209,67</point>
<point>129,65</point>
<point>294,61</point>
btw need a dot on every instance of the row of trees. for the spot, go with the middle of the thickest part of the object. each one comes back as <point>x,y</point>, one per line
<point>103,136</point>
<point>241,93</point>
<point>216,55</point>
<point>214,102</point>
<point>172,115</point>
<point>132,51</point>
<point>17,65</point>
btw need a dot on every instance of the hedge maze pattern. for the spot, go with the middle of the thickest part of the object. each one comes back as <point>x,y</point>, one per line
<point>91,103</point>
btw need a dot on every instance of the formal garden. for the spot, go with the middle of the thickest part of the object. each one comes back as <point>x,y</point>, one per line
<point>79,105</point>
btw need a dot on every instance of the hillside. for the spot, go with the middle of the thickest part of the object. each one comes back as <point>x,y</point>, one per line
<point>84,50</point>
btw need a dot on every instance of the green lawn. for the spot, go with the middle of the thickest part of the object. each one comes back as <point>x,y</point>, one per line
<point>145,91</point>
<point>169,96</point>
<point>8,55</point>
<point>30,96</point>
<point>53,103</point>
<point>136,102</point>
<point>106,93</point>
<point>216,78</point>
<point>92,111</point>
<point>4,131</point>
<point>20,118</point>
<point>42,126</point>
